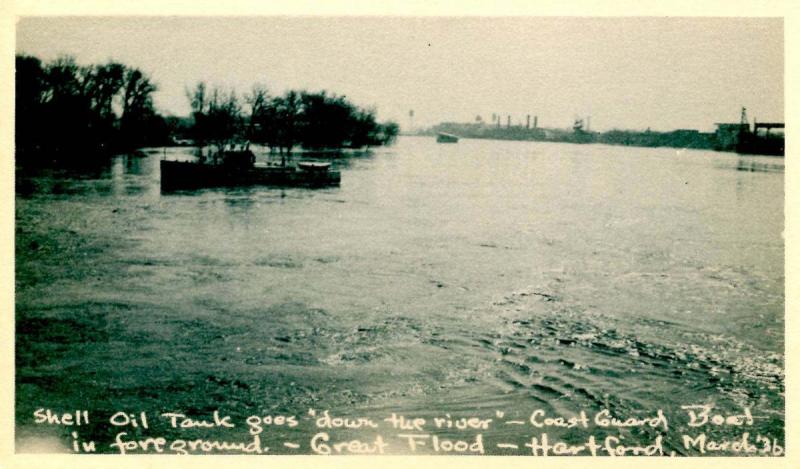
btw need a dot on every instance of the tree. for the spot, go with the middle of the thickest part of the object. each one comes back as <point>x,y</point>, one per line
<point>138,113</point>
<point>364,129</point>
<point>30,89</point>
<point>386,133</point>
<point>198,102</point>
<point>68,109</point>
<point>66,115</point>
<point>286,119</point>
<point>217,116</point>
<point>259,125</point>
<point>104,83</point>
<point>224,118</point>
<point>313,120</point>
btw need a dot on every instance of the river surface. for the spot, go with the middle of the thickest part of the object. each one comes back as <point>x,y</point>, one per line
<point>484,278</point>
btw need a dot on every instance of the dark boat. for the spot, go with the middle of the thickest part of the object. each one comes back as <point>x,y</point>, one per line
<point>238,168</point>
<point>755,144</point>
<point>442,137</point>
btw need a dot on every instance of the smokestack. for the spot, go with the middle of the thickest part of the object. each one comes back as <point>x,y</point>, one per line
<point>508,121</point>
<point>528,121</point>
<point>535,121</point>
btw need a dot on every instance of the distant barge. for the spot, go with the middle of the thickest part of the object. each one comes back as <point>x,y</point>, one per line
<point>238,169</point>
<point>442,137</point>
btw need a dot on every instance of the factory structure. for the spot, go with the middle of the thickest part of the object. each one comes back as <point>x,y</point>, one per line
<point>766,138</point>
<point>762,138</point>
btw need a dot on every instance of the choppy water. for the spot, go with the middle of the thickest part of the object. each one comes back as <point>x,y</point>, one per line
<point>461,279</point>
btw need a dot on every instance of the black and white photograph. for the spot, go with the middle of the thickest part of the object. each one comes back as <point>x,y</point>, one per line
<point>433,235</point>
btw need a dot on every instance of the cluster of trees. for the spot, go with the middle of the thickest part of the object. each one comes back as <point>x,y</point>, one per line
<point>296,118</point>
<point>65,107</point>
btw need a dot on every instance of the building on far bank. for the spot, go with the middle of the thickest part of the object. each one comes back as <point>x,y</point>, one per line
<point>727,136</point>
<point>740,139</point>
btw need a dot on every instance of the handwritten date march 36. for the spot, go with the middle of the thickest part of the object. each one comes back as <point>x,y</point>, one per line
<point>412,434</point>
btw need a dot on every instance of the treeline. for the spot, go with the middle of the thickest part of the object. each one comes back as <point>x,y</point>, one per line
<point>312,120</point>
<point>64,107</point>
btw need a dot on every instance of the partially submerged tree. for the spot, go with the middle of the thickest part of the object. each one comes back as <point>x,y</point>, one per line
<point>315,121</point>
<point>138,112</point>
<point>103,84</point>
<point>257,100</point>
<point>312,120</point>
<point>217,116</point>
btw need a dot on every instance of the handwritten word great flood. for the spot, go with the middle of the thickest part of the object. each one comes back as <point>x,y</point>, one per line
<point>324,432</point>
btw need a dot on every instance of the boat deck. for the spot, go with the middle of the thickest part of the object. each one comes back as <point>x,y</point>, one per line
<point>176,175</point>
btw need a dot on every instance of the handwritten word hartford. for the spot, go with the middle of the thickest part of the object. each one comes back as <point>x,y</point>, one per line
<point>697,429</point>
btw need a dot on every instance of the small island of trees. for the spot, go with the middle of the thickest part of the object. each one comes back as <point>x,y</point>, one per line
<point>311,120</point>
<point>67,109</point>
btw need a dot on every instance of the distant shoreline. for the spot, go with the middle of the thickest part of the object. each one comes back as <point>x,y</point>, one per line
<point>682,138</point>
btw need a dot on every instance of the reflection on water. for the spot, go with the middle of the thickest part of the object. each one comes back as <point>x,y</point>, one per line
<point>436,279</point>
<point>766,165</point>
<point>133,164</point>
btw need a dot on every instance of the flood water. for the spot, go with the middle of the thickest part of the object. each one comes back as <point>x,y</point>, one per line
<point>465,279</point>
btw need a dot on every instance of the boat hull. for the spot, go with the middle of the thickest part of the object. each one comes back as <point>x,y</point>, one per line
<point>757,145</point>
<point>177,175</point>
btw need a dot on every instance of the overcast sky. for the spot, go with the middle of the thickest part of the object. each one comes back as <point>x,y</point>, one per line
<point>632,73</point>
